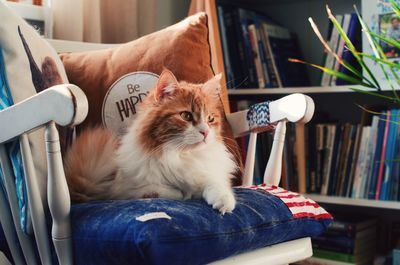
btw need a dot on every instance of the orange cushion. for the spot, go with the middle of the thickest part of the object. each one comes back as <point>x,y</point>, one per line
<point>183,48</point>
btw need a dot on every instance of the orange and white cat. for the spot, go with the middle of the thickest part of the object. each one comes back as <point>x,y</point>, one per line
<point>173,149</point>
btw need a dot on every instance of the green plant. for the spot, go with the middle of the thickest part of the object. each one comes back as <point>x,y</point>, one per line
<point>366,78</point>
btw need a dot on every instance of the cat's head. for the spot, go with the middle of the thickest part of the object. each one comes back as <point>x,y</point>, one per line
<point>180,115</point>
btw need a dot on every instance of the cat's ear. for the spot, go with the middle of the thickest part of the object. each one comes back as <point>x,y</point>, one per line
<point>166,85</point>
<point>213,86</point>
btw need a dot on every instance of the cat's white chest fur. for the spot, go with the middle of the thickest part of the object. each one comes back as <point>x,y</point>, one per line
<point>200,172</point>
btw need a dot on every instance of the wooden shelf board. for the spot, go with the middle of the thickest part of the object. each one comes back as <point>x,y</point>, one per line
<point>290,90</point>
<point>393,205</point>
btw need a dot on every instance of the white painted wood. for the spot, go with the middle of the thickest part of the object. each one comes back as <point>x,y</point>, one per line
<point>26,243</point>
<point>389,205</point>
<point>35,202</point>
<point>273,170</point>
<point>278,254</point>
<point>4,260</point>
<point>294,108</point>
<point>7,224</point>
<point>58,197</point>
<point>76,46</point>
<point>64,104</point>
<point>248,173</point>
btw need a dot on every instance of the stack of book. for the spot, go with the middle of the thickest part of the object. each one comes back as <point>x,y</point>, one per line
<point>349,240</point>
<point>256,50</point>
<point>351,25</point>
<point>358,161</point>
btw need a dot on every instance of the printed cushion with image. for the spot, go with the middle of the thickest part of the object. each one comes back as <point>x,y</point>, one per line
<point>115,80</point>
<point>28,65</point>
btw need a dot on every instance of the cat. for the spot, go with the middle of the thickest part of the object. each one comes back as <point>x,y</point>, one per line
<point>173,149</point>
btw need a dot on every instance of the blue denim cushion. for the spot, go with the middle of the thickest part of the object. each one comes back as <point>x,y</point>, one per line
<point>107,232</point>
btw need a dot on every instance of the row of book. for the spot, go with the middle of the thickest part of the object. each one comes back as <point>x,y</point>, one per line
<point>348,240</point>
<point>256,50</point>
<point>358,161</point>
<point>351,25</point>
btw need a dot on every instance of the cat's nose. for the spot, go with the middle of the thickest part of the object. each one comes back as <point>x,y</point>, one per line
<point>204,133</point>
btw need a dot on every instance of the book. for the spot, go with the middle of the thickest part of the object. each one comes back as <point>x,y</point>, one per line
<point>245,19</point>
<point>284,45</point>
<point>389,156</point>
<point>272,69</point>
<point>340,46</point>
<point>230,76</point>
<point>256,55</point>
<point>373,175</point>
<point>329,59</point>
<point>382,156</point>
<point>335,158</point>
<point>262,52</point>
<point>301,154</point>
<point>359,173</point>
<point>329,135</point>
<point>377,16</point>
<point>354,35</point>
<point>235,47</point>
<point>370,152</point>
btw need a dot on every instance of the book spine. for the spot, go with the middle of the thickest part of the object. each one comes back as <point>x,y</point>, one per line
<point>225,48</point>
<point>262,54</point>
<point>373,175</point>
<point>256,55</point>
<point>301,163</point>
<point>332,255</point>
<point>249,56</point>
<point>330,60</point>
<point>354,35</point>
<point>383,153</point>
<point>270,57</point>
<point>341,46</point>
<point>388,162</point>
<point>361,163</point>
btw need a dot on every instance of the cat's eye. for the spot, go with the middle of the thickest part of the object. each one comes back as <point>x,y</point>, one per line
<point>210,119</point>
<point>187,116</point>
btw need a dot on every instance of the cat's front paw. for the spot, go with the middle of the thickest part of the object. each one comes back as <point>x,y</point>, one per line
<point>224,202</point>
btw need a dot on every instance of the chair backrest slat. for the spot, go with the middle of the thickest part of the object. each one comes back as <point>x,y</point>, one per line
<point>35,202</point>
<point>26,242</point>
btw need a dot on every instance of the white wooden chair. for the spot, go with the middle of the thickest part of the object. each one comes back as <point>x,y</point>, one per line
<point>67,105</point>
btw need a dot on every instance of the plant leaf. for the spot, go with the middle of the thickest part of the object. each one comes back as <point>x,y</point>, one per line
<point>351,47</point>
<point>375,94</point>
<point>341,75</point>
<point>382,61</point>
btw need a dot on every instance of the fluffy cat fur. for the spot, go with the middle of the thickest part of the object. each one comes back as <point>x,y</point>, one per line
<point>173,149</point>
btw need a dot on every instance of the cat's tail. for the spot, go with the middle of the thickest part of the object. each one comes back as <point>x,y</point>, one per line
<point>90,165</point>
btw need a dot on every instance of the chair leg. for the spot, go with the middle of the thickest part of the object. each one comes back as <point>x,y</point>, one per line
<point>24,240</point>
<point>35,202</point>
<point>58,197</point>
<point>272,175</point>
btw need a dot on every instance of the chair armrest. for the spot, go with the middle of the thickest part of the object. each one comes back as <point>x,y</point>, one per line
<point>64,104</point>
<point>294,108</point>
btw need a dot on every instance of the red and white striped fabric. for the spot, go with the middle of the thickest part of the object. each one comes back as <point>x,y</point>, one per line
<point>298,205</point>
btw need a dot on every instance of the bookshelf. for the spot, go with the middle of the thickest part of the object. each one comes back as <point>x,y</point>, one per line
<point>336,200</point>
<point>338,103</point>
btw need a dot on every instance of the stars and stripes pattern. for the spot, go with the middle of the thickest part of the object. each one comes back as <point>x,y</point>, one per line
<point>299,205</point>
